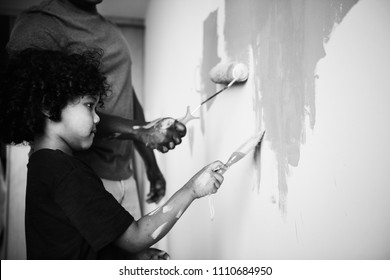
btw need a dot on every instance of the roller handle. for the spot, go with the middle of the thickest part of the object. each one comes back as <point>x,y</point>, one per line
<point>188,117</point>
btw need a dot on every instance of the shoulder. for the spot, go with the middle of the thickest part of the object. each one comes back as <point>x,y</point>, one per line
<point>48,168</point>
<point>52,159</point>
<point>57,162</point>
<point>36,16</point>
<point>29,32</point>
<point>38,26</point>
<point>56,166</point>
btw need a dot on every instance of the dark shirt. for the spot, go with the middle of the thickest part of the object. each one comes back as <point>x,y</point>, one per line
<point>69,214</point>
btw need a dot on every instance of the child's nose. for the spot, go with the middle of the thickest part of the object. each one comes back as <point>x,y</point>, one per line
<point>96,118</point>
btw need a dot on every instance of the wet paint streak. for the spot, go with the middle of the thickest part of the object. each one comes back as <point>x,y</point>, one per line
<point>257,163</point>
<point>210,59</point>
<point>296,231</point>
<point>285,39</point>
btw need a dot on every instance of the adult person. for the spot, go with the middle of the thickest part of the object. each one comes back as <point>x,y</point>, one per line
<point>76,24</point>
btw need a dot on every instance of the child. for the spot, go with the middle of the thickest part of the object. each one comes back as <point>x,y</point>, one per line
<point>48,99</point>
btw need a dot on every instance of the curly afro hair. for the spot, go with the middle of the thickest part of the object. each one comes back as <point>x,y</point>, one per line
<point>39,83</point>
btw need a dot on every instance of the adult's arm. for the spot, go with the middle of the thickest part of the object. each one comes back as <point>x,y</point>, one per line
<point>162,134</point>
<point>155,177</point>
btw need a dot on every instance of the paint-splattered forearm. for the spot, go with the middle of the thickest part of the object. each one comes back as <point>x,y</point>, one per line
<point>152,227</point>
<point>165,217</point>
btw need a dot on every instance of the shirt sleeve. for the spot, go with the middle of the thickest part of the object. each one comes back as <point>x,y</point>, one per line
<point>91,209</point>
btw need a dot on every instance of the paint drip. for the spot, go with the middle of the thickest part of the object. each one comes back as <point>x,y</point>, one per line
<point>163,123</point>
<point>154,211</point>
<point>178,215</point>
<point>167,208</point>
<point>158,231</point>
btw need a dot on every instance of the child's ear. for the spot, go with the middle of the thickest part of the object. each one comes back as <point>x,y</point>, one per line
<point>46,113</point>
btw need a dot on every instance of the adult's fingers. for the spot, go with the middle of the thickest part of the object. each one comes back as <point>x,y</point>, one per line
<point>180,128</point>
<point>176,139</point>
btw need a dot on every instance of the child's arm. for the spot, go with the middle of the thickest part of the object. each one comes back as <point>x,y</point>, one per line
<point>151,228</point>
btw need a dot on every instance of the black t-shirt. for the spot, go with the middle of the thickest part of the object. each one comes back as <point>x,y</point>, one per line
<point>69,214</point>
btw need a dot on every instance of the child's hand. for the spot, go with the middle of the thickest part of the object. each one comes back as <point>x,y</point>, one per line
<point>152,254</point>
<point>207,180</point>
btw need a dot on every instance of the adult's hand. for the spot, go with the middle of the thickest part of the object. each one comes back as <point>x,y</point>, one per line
<point>162,134</point>
<point>157,186</point>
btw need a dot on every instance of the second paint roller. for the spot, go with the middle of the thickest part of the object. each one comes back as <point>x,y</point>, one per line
<point>223,73</point>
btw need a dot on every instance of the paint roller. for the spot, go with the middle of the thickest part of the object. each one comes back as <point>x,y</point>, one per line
<point>227,73</point>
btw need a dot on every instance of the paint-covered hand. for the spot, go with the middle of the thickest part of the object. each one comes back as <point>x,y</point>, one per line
<point>152,254</point>
<point>207,180</point>
<point>157,186</point>
<point>162,134</point>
